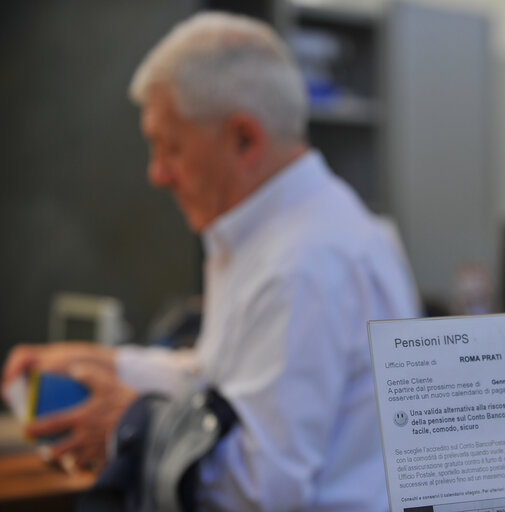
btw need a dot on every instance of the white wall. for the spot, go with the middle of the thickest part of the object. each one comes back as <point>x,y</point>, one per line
<point>496,10</point>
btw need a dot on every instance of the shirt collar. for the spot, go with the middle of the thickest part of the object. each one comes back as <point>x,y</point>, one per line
<point>283,189</point>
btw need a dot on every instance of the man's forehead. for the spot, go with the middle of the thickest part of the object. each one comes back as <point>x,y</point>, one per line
<point>158,107</point>
<point>160,94</point>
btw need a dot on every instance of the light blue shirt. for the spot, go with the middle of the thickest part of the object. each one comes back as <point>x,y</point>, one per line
<point>292,275</point>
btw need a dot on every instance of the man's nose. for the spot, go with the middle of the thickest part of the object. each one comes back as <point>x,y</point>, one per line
<point>160,174</point>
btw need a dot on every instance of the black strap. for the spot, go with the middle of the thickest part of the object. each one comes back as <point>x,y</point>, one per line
<point>227,418</point>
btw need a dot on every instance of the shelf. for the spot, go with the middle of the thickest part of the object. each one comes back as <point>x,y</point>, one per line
<point>345,118</point>
<point>351,110</point>
<point>349,11</point>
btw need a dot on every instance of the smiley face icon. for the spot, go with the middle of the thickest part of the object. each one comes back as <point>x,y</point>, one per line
<point>400,418</point>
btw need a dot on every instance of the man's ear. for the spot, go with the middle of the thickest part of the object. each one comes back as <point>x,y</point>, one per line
<point>248,138</point>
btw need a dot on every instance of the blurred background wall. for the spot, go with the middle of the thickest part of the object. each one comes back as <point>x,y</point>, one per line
<point>76,212</point>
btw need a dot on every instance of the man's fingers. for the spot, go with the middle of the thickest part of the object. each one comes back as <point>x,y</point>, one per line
<point>86,448</point>
<point>70,443</point>
<point>68,463</point>
<point>97,379</point>
<point>21,359</point>
<point>51,365</point>
<point>56,422</point>
<point>92,376</point>
<point>92,456</point>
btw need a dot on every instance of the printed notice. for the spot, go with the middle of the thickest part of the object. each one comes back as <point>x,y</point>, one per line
<point>440,387</point>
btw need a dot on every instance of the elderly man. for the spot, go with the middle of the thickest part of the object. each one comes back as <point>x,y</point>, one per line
<point>295,265</point>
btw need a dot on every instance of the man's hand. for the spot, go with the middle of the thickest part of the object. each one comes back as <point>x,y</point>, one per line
<point>89,424</point>
<point>55,357</point>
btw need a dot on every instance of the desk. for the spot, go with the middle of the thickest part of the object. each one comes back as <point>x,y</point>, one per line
<point>29,484</point>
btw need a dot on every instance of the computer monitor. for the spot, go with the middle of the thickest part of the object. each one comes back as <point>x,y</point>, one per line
<point>75,316</point>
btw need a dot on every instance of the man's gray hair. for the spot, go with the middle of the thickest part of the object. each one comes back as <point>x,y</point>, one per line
<point>215,64</point>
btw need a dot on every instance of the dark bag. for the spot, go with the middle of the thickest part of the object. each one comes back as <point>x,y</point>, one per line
<point>155,453</point>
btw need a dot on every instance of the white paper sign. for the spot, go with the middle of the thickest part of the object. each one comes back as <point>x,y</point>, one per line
<point>440,388</point>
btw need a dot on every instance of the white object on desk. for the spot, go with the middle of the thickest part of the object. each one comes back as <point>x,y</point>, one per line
<point>75,316</point>
<point>16,393</point>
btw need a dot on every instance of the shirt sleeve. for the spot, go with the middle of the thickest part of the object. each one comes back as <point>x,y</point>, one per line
<point>157,369</point>
<point>301,384</point>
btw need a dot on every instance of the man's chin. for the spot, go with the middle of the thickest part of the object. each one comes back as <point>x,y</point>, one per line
<point>195,224</point>
<point>196,221</point>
